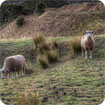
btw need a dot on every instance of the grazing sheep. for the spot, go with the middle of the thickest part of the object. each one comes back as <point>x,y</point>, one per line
<point>87,43</point>
<point>13,64</point>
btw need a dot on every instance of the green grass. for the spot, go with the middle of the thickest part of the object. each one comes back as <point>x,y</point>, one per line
<point>71,81</point>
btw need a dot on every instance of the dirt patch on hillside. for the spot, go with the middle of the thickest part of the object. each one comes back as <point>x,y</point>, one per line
<point>68,20</point>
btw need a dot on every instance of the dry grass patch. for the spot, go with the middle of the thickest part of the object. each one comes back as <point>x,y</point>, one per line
<point>43,48</point>
<point>29,98</point>
<point>76,45</point>
<point>38,40</point>
<point>52,56</point>
<point>42,59</point>
<point>47,51</point>
<point>55,44</point>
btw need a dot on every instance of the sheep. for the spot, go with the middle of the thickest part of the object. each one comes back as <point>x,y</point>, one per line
<point>87,43</point>
<point>13,64</point>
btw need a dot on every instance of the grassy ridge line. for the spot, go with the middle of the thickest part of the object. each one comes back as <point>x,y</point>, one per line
<point>77,12</point>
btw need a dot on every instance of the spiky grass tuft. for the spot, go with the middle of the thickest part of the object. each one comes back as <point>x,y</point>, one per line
<point>76,45</point>
<point>38,40</point>
<point>43,61</point>
<point>29,98</point>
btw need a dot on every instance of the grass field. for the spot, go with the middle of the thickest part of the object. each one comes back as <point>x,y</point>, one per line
<point>71,81</point>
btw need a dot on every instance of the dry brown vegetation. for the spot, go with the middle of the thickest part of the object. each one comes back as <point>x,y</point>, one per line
<point>29,98</point>
<point>65,21</point>
<point>76,45</point>
<point>47,52</point>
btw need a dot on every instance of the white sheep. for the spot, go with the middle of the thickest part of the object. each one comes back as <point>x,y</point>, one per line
<point>87,43</point>
<point>12,65</point>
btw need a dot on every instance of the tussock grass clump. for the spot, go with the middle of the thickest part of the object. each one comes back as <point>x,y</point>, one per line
<point>55,44</point>
<point>20,21</point>
<point>43,61</point>
<point>52,56</point>
<point>47,51</point>
<point>29,98</point>
<point>38,40</point>
<point>44,47</point>
<point>76,45</point>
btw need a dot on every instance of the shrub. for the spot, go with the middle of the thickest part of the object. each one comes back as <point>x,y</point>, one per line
<point>20,21</point>
<point>29,98</point>
<point>55,44</point>
<point>47,51</point>
<point>44,47</point>
<point>40,8</point>
<point>26,11</point>
<point>52,56</point>
<point>76,45</point>
<point>43,61</point>
<point>38,40</point>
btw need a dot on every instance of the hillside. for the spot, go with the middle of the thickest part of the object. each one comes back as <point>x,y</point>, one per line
<point>73,19</point>
<point>71,81</point>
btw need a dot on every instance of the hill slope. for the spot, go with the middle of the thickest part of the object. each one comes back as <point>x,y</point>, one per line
<point>65,21</point>
<point>72,81</point>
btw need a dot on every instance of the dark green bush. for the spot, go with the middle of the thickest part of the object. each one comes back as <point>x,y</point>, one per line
<point>20,21</point>
<point>27,11</point>
<point>40,8</point>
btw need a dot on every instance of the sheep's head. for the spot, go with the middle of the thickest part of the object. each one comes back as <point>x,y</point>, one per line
<point>3,73</point>
<point>89,33</point>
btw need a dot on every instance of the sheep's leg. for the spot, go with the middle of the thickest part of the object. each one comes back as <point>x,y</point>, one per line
<point>91,54</point>
<point>8,75</point>
<point>21,71</point>
<point>18,74</point>
<point>86,54</point>
<point>12,74</point>
<point>24,70</point>
<point>15,73</point>
<point>82,51</point>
